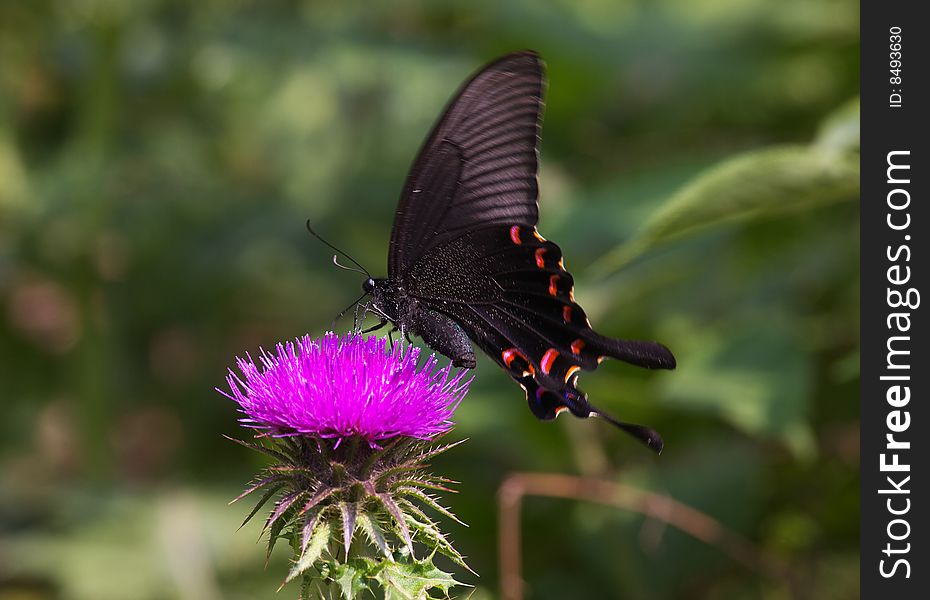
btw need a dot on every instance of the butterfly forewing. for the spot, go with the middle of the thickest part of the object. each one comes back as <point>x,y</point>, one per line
<point>485,142</point>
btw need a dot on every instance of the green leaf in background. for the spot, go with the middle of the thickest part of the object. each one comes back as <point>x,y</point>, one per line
<point>755,184</point>
<point>757,378</point>
<point>839,132</point>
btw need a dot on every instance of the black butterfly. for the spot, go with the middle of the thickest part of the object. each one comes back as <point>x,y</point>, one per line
<point>466,262</point>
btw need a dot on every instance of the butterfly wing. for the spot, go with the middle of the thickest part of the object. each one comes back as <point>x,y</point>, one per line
<point>478,165</point>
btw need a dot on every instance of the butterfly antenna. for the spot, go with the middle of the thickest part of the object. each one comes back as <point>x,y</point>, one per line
<point>364,271</point>
<point>342,266</point>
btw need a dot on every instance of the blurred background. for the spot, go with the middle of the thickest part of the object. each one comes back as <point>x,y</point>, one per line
<point>699,168</point>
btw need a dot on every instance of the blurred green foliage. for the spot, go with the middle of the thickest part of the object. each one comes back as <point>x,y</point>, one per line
<point>158,159</point>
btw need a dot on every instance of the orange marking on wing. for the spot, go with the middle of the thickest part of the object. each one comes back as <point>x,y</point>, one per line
<point>509,355</point>
<point>537,236</point>
<point>540,262</point>
<point>560,409</point>
<point>577,345</point>
<point>553,285</point>
<point>515,235</point>
<point>547,360</point>
<point>562,263</point>
<point>571,294</point>
<point>571,371</point>
<point>601,359</point>
<point>567,313</point>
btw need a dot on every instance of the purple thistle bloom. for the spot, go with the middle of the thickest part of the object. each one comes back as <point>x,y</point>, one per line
<point>343,386</point>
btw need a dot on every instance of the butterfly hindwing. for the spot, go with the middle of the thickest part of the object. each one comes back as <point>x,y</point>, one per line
<point>545,398</point>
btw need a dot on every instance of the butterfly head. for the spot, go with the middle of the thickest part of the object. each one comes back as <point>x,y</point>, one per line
<point>384,297</point>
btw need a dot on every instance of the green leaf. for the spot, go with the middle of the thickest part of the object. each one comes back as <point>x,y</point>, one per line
<point>318,543</point>
<point>351,577</point>
<point>413,580</point>
<point>753,185</point>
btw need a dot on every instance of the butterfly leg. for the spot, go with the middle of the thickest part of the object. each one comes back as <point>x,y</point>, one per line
<point>381,324</point>
<point>354,319</point>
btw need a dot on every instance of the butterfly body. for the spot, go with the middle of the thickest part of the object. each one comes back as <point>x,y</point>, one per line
<point>413,317</point>
<point>468,266</point>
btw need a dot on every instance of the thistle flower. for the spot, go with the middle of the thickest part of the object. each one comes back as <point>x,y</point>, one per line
<point>340,387</point>
<point>349,423</point>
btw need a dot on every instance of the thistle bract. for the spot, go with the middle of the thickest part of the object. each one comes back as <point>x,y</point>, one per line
<point>350,424</point>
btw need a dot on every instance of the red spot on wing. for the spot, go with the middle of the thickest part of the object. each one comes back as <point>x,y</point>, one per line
<point>515,235</point>
<point>553,285</point>
<point>577,346</point>
<point>560,409</point>
<point>511,354</point>
<point>547,360</point>
<point>540,262</point>
<point>567,313</point>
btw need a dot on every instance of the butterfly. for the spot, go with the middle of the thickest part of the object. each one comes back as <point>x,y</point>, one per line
<point>466,264</point>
